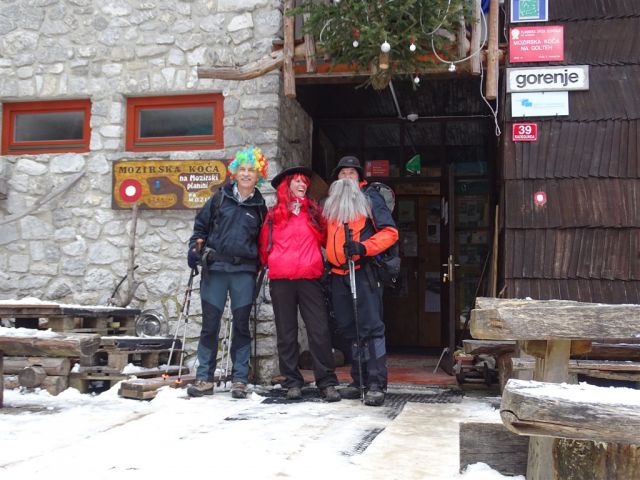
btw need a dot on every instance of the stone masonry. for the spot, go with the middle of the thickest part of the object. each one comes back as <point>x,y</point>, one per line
<point>73,248</point>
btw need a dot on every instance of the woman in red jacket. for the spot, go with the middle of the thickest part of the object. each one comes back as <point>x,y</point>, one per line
<point>289,243</point>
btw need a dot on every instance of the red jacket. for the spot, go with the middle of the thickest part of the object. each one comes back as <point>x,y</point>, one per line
<point>295,248</point>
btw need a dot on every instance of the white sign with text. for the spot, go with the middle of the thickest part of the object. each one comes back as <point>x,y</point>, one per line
<point>539,104</point>
<point>544,79</point>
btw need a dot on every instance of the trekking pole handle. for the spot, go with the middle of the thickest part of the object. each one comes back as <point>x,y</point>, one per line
<point>352,268</point>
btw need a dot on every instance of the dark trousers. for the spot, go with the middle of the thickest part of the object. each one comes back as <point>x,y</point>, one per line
<point>286,297</point>
<point>368,345</point>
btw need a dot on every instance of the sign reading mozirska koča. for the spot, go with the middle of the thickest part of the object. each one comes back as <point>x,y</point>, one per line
<point>545,79</point>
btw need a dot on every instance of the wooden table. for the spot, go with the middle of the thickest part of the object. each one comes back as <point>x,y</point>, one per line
<point>552,331</point>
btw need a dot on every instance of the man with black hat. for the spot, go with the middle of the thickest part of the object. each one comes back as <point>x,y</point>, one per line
<point>372,230</point>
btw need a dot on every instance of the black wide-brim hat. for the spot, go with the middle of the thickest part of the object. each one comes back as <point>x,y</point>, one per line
<point>348,162</point>
<point>306,171</point>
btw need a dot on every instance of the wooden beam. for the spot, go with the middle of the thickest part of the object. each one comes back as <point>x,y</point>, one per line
<point>493,444</point>
<point>58,345</point>
<point>548,320</point>
<point>476,33</point>
<point>246,72</point>
<point>53,366</point>
<point>570,411</point>
<point>289,40</point>
<point>310,48</point>
<point>491,86</point>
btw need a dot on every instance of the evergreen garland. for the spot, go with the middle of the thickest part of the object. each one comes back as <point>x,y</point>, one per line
<point>338,24</point>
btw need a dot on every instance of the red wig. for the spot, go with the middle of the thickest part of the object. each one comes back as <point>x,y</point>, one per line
<point>280,212</point>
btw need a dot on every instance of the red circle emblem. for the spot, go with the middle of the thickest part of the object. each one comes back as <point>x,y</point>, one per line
<point>130,190</point>
<point>540,198</point>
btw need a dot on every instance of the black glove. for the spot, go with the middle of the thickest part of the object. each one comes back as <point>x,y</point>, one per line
<point>193,258</point>
<point>354,248</point>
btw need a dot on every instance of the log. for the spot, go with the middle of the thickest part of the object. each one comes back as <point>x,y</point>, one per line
<point>31,377</point>
<point>52,366</point>
<point>552,319</point>
<point>310,48</point>
<point>607,369</point>
<point>53,384</point>
<point>578,459</point>
<point>491,86</point>
<point>493,444</point>
<point>245,72</point>
<point>53,345</point>
<point>571,411</point>
<point>288,74</point>
<point>476,32</point>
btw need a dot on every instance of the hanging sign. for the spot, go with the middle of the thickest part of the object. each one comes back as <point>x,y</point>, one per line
<point>539,104</point>
<point>163,184</point>
<point>536,44</point>
<point>525,132</point>
<point>542,79</point>
<point>529,11</point>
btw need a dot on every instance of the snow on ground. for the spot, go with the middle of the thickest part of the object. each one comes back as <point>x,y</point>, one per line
<point>76,436</point>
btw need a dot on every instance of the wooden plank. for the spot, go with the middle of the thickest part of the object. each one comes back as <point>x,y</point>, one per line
<point>310,48</point>
<point>538,348</point>
<point>570,411</point>
<point>1,377</point>
<point>148,384</point>
<point>489,347</point>
<point>54,345</point>
<point>553,319</point>
<point>51,365</point>
<point>493,444</point>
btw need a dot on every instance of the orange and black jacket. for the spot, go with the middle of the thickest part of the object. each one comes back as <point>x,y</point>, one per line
<point>377,234</point>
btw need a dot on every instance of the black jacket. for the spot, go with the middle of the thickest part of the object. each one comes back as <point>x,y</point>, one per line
<point>231,229</point>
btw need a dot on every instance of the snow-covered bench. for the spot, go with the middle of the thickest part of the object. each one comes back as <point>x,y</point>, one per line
<point>552,331</point>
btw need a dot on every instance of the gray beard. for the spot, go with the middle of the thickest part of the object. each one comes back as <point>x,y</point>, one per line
<point>346,202</point>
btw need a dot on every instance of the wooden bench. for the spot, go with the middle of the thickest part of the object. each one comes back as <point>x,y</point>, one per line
<point>502,351</point>
<point>552,331</point>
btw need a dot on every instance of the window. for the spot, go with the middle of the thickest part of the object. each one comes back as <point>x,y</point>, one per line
<point>182,122</point>
<point>46,127</point>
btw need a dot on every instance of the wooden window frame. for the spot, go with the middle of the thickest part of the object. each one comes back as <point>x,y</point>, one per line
<point>11,109</point>
<point>196,142</point>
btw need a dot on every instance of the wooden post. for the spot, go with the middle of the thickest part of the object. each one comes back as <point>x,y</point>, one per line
<point>287,68</point>
<point>491,87</point>
<point>476,34</point>
<point>310,48</point>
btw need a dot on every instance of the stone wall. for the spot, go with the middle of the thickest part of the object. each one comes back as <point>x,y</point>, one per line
<point>73,248</point>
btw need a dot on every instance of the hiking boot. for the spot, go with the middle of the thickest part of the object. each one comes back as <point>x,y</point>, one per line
<point>294,393</point>
<point>330,394</point>
<point>239,390</point>
<point>351,392</point>
<point>374,396</point>
<point>200,388</point>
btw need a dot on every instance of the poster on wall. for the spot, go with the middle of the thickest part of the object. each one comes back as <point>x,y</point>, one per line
<point>165,185</point>
<point>529,11</point>
<point>539,104</point>
<point>536,44</point>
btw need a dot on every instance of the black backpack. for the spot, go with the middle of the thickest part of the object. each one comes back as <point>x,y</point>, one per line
<point>388,262</point>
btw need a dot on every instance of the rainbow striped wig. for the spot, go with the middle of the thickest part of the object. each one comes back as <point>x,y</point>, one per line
<point>252,156</point>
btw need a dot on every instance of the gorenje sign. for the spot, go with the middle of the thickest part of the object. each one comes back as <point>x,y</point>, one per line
<point>545,79</point>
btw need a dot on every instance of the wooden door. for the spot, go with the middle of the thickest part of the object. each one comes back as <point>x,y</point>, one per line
<point>413,311</point>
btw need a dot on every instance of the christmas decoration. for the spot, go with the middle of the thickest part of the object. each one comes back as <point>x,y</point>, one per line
<point>382,28</point>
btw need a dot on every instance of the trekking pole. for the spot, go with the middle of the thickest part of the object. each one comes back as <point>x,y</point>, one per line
<point>224,353</point>
<point>354,296</point>
<point>261,277</point>
<point>184,315</point>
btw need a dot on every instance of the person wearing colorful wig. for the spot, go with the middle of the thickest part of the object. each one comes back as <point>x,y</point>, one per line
<point>290,246</point>
<point>227,227</point>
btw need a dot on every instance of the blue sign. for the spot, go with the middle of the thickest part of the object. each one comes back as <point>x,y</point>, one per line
<point>529,11</point>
